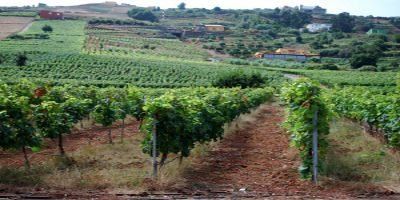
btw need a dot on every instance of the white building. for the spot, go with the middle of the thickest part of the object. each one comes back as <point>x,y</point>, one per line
<point>317,27</point>
<point>317,10</point>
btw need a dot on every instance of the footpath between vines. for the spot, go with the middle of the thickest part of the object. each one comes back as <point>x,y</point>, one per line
<point>257,161</point>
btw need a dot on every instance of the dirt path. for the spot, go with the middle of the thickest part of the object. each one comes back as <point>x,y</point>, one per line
<point>26,27</point>
<point>257,161</point>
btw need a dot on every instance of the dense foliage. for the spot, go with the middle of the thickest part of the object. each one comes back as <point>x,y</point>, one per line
<point>303,99</point>
<point>142,14</point>
<point>182,118</point>
<point>343,22</point>
<point>31,112</point>
<point>240,79</point>
<point>291,18</point>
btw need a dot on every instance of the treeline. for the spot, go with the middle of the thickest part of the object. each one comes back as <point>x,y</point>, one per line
<point>98,21</point>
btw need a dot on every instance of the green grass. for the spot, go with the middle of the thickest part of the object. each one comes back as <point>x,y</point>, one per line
<point>67,37</point>
<point>354,155</point>
<point>19,14</point>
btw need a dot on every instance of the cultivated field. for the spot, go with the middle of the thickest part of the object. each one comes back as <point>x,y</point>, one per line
<point>10,25</point>
<point>118,107</point>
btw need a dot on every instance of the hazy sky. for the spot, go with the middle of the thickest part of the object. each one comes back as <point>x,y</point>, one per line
<point>355,7</point>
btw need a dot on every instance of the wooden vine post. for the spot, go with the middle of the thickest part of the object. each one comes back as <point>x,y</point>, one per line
<point>315,148</point>
<point>154,139</point>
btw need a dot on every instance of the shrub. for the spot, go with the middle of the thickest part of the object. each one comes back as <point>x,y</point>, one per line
<point>16,37</point>
<point>367,68</point>
<point>21,59</point>
<point>397,38</point>
<point>329,66</point>
<point>239,79</point>
<point>330,52</point>
<point>47,28</point>
<point>362,59</point>
<point>379,37</point>
<point>299,39</point>
<point>142,14</point>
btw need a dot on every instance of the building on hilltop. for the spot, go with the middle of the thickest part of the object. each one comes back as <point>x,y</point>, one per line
<point>374,31</point>
<point>316,10</point>
<point>288,54</point>
<point>318,27</point>
<point>209,28</point>
<point>214,28</point>
<point>47,14</point>
<point>111,3</point>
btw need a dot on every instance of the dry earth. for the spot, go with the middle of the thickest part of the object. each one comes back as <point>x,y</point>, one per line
<point>10,25</point>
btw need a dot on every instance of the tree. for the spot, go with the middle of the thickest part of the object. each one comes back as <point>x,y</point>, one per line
<point>46,28</point>
<point>343,22</point>
<point>42,5</point>
<point>217,9</point>
<point>21,59</point>
<point>299,39</point>
<point>359,60</point>
<point>142,14</point>
<point>182,6</point>
<point>290,18</point>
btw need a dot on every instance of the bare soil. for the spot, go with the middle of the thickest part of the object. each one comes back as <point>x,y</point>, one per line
<point>10,25</point>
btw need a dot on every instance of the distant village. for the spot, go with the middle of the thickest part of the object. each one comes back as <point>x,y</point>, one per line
<point>318,25</point>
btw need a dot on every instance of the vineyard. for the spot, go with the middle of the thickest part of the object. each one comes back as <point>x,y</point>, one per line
<point>379,111</point>
<point>118,42</point>
<point>189,117</point>
<point>139,71</point>
<point>343,78</point>
<point>31,112</point>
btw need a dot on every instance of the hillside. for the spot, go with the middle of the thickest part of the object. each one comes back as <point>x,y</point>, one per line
<point>112,101</point>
